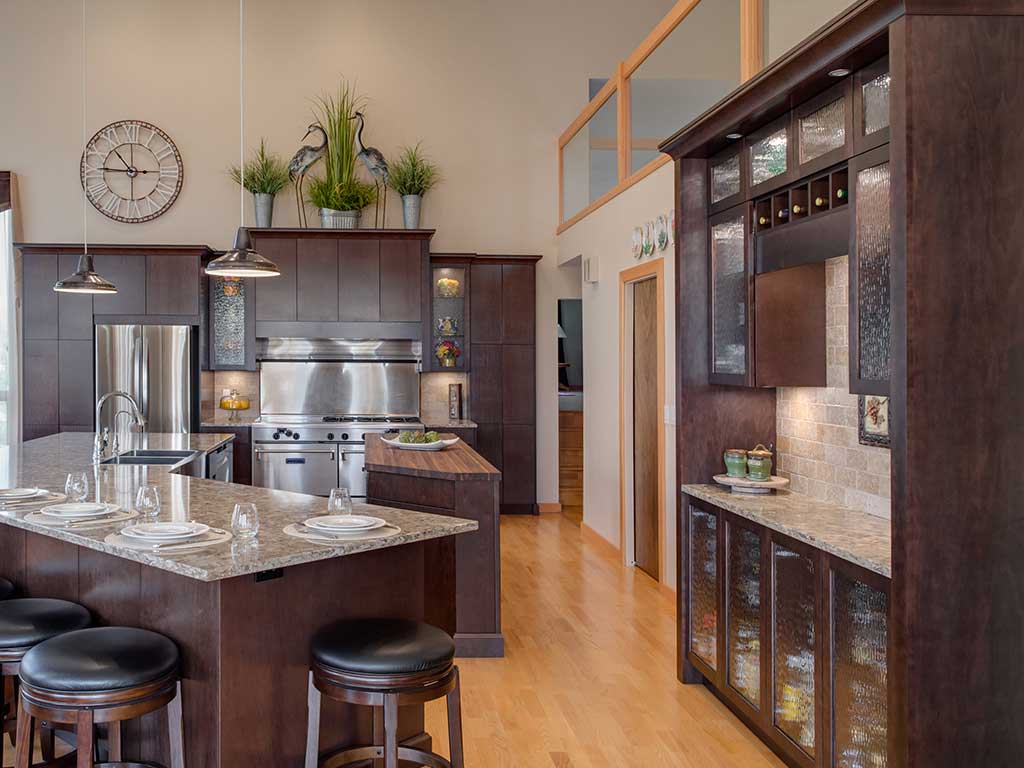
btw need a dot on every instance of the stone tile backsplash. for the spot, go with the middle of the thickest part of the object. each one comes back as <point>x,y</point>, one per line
<point>818,448</point>
<point>434,395</point>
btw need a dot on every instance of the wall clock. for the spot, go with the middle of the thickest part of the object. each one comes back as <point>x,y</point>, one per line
<point>131,171</point>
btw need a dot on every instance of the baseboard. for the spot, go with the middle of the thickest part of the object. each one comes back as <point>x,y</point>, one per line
<point>479,646</point>
<point>593,537</point>
<point>549,508</point>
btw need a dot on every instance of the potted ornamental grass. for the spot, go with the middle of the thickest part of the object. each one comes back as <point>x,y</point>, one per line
<point>339,194</point>
<point>264,175</point>
<point>412,175</point>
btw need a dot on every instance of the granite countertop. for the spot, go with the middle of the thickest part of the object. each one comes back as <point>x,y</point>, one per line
<point>449,424</point>
<point>45,463</point>
<point>855,536</point>
<point>456,462</point>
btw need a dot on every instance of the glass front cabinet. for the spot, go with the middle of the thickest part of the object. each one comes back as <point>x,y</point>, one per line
<point>792,638</point>
<point>731,284</point>
<point>448,349</point>
<point>232,341</point>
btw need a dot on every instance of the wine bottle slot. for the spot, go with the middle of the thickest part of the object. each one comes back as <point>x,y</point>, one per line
<point>820,202</point>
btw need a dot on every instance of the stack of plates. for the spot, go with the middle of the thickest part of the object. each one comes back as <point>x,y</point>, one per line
<point>335,525</point>
<point>78,510</point>
<point>165,533</point>
<point>20,494</point>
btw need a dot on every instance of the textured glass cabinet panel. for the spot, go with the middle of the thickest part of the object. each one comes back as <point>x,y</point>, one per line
<point>729,297</point>
<point>793,633</point>
<point>874,234</point>
<point>725,178</point>
<point>768,157</point>
<point>876,104</point>
<point>823,130</point>
<point>228,321</point>
<point>704,586</point>
<point>859,641</point>
<point>744,613</point>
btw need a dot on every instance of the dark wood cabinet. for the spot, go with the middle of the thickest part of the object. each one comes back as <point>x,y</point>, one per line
<point>485,293</point>
<point>730,291</point>
<point>172,284</point>
<point>488,443</point>
<point>276,296</point>
<point>728,177</point>
<point>230,317</point>
<point>76,384</point>
<point>823,129</point>
<point>316,280</point>
<point>770,157</point>
<point>241,467</point>
<point>401,281</point>
<point>485,384</point>
<point>359,280</point>
<point>518,304</point>
<point>871,87</point>
<point>519,468</point>
<point>450,321</point>
<point>39,305</point>
<point>128,273</point>
<point>74,311</point>
<point>789,327</point>
<point>518,384</point>
<point>40,380</point>
<point>870,288</point>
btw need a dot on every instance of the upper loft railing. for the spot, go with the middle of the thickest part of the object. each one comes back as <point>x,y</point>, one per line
<point>700,51</point>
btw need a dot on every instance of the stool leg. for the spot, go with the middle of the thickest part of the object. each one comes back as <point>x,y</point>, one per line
<point>455,723</point>
<point>114,742</point>
<point>85,738</point>
<point>47,744</point>
<point>176,730</point>
<point>312,725</point>
<point>390,730</point>
<point>23,742</point>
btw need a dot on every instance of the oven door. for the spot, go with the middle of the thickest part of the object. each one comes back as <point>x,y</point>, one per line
<point>301,467</point>
<point>350,471</point>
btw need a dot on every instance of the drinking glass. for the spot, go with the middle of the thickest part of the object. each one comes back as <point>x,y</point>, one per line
<point>76,487</point>
<point>147,500</point>
<point>340,502</point>
<point>245,521</point>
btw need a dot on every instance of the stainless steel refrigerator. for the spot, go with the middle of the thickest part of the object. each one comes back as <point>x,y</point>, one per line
<point>155,364</point>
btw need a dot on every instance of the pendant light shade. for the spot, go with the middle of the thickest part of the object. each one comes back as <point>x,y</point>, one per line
<point>242,260</point>
<point>84,279</point>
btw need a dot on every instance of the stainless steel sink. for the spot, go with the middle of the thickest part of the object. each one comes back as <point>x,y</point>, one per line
<point>145,460</point>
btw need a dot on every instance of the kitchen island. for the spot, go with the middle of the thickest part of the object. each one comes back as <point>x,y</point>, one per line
<point>241,613</point>
<point>456,481</point>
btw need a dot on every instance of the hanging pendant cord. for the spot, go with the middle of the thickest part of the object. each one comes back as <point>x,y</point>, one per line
<point>241,111</point>
<point>85,207</point>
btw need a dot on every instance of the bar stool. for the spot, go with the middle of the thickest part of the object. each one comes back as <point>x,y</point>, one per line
<point>6,589</point>
<point>384,663</point>
<point>96,676</point>
<point>24,623</point>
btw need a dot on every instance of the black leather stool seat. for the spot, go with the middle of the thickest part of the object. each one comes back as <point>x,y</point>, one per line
<point>382,646</point>
<point>99,659</point>
<point>6,589</point>
<point>32,620</point>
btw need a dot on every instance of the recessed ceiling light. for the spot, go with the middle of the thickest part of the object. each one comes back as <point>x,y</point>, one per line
<point>840,72</point>
<point>734,136</point>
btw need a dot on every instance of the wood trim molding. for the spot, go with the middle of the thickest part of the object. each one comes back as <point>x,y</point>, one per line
<point>751,38</point>
<point>547,508</point>
<point>624,123</point>
<point>656,269</point>
<point>589,111</point>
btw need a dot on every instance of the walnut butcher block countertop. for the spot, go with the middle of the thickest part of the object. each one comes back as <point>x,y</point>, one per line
<point>456,462</point>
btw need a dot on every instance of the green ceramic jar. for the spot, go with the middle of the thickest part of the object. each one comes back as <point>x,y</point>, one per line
<point>736,462</point>
<point>759,463</point>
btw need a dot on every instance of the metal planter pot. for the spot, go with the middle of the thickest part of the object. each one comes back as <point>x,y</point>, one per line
<point>331,219</point>
<point>411,211</point>
<point>263,202</point>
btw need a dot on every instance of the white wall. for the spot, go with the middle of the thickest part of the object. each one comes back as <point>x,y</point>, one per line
<point>788,22</point>
<point>488,86</point>
<point>606,235</point>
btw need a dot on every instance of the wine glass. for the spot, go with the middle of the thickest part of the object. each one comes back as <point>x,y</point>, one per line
<point>340,502</point>
<point>147,500</point>
<point>245,521</point>
<point>76,487</point>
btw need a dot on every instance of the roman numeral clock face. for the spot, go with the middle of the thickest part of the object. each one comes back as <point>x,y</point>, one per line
<point>131,171</point>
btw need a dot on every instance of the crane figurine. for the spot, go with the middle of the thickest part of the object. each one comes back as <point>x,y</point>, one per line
<point>375,163</point>
<point>301,162</point>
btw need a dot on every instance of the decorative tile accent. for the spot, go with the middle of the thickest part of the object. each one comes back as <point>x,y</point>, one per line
<point>817,447</point>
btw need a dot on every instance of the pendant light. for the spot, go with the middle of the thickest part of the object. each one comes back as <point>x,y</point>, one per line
<point>242,260</point>
<point>84,279</point>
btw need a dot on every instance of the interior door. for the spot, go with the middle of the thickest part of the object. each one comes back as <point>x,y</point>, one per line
<point>645,426</point>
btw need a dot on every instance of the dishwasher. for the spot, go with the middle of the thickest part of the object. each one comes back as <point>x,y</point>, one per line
<point>219,463</point>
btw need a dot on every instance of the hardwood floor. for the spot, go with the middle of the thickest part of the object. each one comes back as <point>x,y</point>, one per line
<point>588,680</point>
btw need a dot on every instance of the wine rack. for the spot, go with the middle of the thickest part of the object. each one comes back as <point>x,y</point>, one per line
<point>819,195</point>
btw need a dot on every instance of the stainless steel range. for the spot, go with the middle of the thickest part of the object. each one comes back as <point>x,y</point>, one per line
<point>319,399</point>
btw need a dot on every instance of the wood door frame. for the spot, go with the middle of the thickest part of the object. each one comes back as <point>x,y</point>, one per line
<point>654,268</point>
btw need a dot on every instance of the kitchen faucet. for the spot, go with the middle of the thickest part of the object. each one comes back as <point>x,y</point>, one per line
<point>102,439</point>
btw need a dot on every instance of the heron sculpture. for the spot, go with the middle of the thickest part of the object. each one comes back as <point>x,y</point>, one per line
<point>301,162</point>
<point>378,168</point>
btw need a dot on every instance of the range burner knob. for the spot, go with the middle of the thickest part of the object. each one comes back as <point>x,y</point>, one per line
<point>330,435</point>
<point>344,435</point>
<point>287,433</point>
<point>295,435</point>
<point>277,435</point>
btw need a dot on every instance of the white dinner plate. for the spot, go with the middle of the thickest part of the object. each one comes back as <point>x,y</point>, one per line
<point>165,531</point>
<point>437,445</point>
<point>10,494</point>
<point>77,510</point>
<point>351,523</point>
